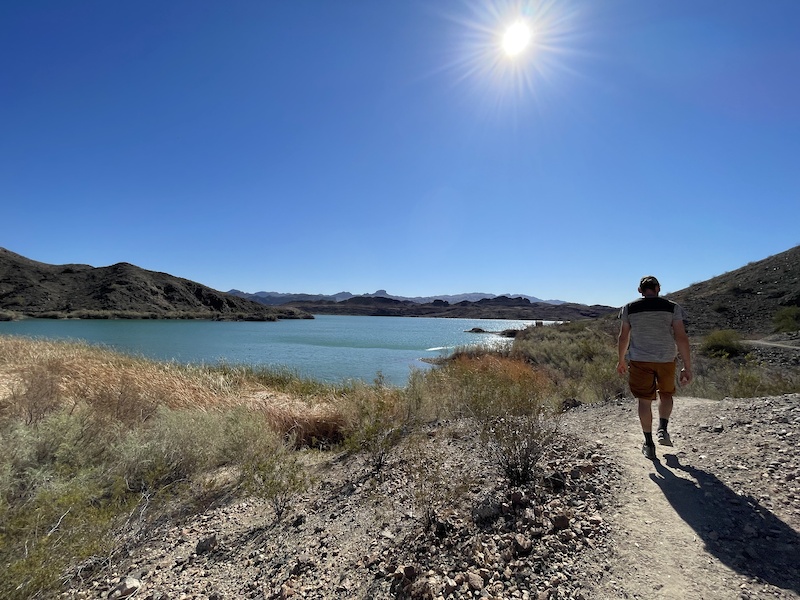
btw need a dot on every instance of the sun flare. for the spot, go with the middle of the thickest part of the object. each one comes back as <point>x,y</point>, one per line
<point>512,51</point>
<point>517,37</point>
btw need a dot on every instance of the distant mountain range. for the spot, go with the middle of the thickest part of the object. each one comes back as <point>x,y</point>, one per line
<point>278,298</point>
<point>468,306</point>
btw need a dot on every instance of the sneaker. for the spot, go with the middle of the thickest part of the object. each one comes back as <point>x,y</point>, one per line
<point>649,451</point>
<point>663,437</point>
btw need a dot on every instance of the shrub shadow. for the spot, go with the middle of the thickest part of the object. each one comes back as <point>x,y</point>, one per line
<point>736,529</point>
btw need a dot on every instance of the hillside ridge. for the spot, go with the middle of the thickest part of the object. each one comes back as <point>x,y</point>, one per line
<point>745,299</point>
<point>29,288</point>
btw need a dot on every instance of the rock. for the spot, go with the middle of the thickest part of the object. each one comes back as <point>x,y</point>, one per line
<point>555,481</point>
<point>475,581</point>
<point>125,588</point>
<point>561,521</point>
<point>206,544</point>
<point>522,545</point>
<point>450,586</point>
<point>487,510</point>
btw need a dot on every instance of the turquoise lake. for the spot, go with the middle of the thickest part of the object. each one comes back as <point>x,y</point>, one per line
<point>327,348</point>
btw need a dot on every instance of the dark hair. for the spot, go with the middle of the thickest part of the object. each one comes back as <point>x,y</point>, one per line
<point>648,282</point>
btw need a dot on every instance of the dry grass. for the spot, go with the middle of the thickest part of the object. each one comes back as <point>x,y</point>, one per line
<point>89,433</point>
<point>39,376</point>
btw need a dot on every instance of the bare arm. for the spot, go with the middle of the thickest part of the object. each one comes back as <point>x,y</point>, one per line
<point>682,340</point>
<point>624,340</point>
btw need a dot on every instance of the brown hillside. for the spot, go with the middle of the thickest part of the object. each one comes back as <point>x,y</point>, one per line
<point>34,289</point>
<point>746,299</point>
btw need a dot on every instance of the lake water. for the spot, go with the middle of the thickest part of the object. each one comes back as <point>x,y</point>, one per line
<point>327,348</point>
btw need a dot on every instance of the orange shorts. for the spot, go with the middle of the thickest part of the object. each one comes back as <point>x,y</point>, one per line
<point>645,378</point>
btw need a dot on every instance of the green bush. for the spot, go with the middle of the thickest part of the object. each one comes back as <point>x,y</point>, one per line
<point>272,471</point>
<point>70,478</point>
<point>722,343</point>
<point>787,319</point>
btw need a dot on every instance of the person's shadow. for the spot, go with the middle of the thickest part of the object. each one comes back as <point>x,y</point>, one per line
<point>736,529</point>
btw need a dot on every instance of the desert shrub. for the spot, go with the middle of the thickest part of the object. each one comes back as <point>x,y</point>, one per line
<point>66,485</point>
<point>173,446</point>
<point>374,418</point>
<point>88,437</point>
<point>580,357</point>
<point>722,343</point>
<point>718,377</point>
<point>270,469</point>
<point>490,385</point>
<point>720,307</point>
<point>62,525</point>
<point>59,446</point>
<point>437,484</point>
<point>56,504</point>
<point>517,442</point>
<point>510,401</point>
<point>787,319</point>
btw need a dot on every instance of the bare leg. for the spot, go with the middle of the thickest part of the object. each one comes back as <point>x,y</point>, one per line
<point>664,405</point>
<point>646,415</point>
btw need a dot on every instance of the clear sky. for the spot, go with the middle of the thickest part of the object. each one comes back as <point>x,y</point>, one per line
<point>321,146</point>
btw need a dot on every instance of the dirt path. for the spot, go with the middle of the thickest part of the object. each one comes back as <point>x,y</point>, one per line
<point>679,530</point>
<point>773,344</point>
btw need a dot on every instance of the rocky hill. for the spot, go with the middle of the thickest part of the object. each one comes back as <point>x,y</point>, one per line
<point>33,289</point>
<point>746,299</point>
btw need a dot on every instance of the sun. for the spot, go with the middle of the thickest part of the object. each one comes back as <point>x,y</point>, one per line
<point>511,52</point>
<point>516,38</point>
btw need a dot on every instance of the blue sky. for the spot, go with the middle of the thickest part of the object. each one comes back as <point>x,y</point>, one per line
<point>322,146</point>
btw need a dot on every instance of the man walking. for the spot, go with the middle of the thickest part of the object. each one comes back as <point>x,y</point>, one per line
<point>652,333</point>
